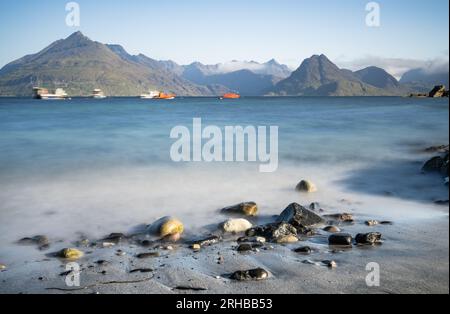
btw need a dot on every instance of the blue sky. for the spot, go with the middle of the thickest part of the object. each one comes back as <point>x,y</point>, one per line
<point>212,31</point>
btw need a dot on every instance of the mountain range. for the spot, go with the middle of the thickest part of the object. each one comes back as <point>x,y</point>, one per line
<point>79,65</point>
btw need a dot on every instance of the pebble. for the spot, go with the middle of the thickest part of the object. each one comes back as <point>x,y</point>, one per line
<point>69,253</point>
<point>306,186</point>
<point>108,244</point>
<point>166,226</point>
<point>236,225</point>
<point>303,250</point>
<point>368,238</point>
<point>196,247</point>
<point>372,223</point>
<point>252,239</point>
<point>169,248</point>
<point>209,241</point>
<point>340,239</point>
<point>148,255</point>
<point>245,247</point>
<point>332,229</point>
<point>248,275</point>
<point>172,238</point>
<point>345,217</point>
<point>330,264</point>
<point>120,253</point>
<point>2,266</point>
<point>246,209</point>
<point>286,239</point>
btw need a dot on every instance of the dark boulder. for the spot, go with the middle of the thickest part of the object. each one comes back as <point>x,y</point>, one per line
<point>272,231</point>
<point>368,238</point>
<point>340,239</point>
<point>300,217</point>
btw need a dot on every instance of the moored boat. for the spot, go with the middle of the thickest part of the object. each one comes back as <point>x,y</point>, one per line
<point>150,95</point>
<point>231,96</point>
<point>43,93</point>
<point>98,94</point>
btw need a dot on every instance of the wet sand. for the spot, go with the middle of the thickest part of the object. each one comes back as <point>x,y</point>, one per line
<point>413,259</point>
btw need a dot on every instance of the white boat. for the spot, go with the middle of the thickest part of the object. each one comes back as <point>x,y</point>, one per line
<point>43,93</point>
<point>98,94</point>
<point>151,95</point>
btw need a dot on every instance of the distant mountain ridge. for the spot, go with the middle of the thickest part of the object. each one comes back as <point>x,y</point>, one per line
<point>79,65</point>
<point>318,76</point>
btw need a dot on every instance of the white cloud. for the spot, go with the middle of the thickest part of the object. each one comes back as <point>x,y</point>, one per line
<point>397,66</point>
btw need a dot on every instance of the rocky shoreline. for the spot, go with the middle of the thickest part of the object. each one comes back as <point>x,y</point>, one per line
<point>242,251</point>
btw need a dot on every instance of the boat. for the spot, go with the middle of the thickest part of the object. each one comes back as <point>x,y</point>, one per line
<point>98,94</point>
<point>166,96</point>
<point>150,95</point>
<point>231,96</point>
<point>43,93</point>
<point>157,95</point>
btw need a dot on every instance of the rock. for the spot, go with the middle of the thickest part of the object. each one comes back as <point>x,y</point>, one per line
<point>345,217</point>
<point>120,253</point>
<point>172,238</point>
<point>340,239</point>
<point>252,240</point>
<point>300,217</point>
<point>368,238</point>
<point>438,91</point>
<point>115,238</point>
<point>306,186</point>
<point>246,209</point>
<point>303,250</point>
<point>286,239</point>
<point>245,247</point>
<point>108,244</point>
<point>166,226</point>
<point>332,229</point>
<point>330,264</point>
<point>147,255</point>
<point>372,223</point>
<point>236,225</point>
<point>196,247</point>
<point>2,266</point>
<point>248,275</point>
<point>272,231</point>
<point>442,202</point>
<point>41,241</point>
<point>72,254</point>
<point>435,164</point>
<point>208,241</point>
<point>437,149</point>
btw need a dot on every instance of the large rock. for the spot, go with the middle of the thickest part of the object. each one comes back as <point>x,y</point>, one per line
<point>273,231</point>
<point>245,209</point>
<point>300,217</point>
<point>236,225</point>
<point>166,226</point>
<point>438,91</point>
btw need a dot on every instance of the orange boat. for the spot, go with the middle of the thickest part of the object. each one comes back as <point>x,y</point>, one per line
<point>231,96</point>
<point>165,96</point>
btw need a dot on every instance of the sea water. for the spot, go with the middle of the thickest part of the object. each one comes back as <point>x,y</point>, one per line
<point>92,167</point>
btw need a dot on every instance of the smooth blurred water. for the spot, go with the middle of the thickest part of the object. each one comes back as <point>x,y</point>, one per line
<point>96,166</point>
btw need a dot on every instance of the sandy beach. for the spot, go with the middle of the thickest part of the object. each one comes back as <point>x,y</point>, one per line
<point>413,258</point>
